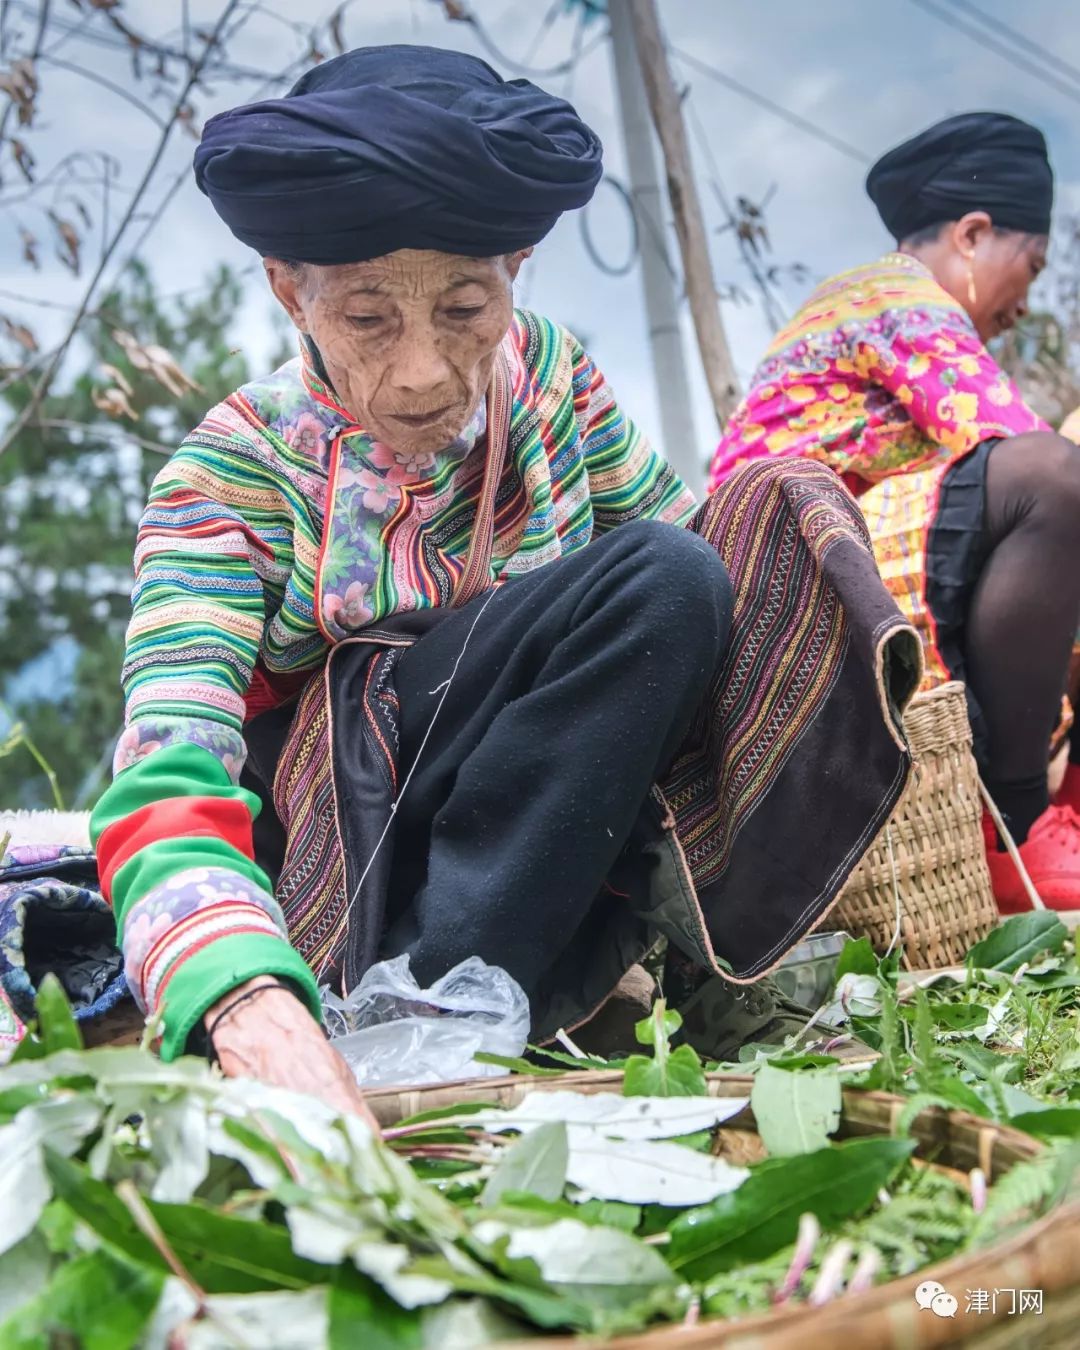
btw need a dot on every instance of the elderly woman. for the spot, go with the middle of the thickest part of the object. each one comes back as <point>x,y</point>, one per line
<point>431,584</point>
<point>972,502</point>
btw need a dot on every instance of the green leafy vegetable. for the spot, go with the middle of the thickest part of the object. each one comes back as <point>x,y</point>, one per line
<point>796,1109</point>
<point>141,1201</point>
<point>536,1163</point>
<point>669,1073</point>
<point>763,1214</point>
<point>224,1255</point>
<point>57,1028</point>
<point>606,1213</point>
<point>24,1269</point>
<point>1019,939</point>
<point>593,1265</point>
<point>273,1318</point>
<point>361,1315</point>
<point>1051,1123</point>
<point>515,1064</point>
<point>856,958</point>
<point>98,1301</point>
<point>955,1016</point>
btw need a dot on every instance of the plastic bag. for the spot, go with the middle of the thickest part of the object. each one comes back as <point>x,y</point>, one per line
<point>808,973</point>
<point>391,1031</point>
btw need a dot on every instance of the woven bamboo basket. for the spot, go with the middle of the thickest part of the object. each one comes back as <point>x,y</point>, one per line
<point>1045,1256</point>
<point>929,859</point>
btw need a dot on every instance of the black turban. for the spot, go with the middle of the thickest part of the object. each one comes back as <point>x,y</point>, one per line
<point>974,162</point>
<point>397,147</point>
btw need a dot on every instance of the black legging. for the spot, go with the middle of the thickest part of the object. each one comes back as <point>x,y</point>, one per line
<point>1023,614</point>
<point>596,665</point>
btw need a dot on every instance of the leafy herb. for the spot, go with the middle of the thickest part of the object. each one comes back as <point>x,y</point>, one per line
<point>535,1164</point>
<point>763,1214</point>
<point>141,1201</point>
<point>796,1109</point>
<point>98,1301</point>
<point>1018,940</point>
<point>669,1073</point>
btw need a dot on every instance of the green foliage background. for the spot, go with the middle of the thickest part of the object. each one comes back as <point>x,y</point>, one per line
<point>70,501</point>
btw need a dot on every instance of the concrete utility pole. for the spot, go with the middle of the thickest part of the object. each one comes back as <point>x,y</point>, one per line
<point>658,281</point>
<point>685,204</point>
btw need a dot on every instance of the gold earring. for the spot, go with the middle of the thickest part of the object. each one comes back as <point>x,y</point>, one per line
<point>973,297</point>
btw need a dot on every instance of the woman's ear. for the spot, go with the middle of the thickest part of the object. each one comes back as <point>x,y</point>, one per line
<point>514,261</point>
<point>286,281</point>
<point>970,231</point>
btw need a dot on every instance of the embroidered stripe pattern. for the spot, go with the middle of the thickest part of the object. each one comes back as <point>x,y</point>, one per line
<point>786,648</point>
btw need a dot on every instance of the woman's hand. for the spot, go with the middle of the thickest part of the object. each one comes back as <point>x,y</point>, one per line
<point>261,1030</point>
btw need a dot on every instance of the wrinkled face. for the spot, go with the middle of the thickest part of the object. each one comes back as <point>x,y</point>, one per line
<point>1004,267</point>
<point>1001,264</point>
<point>408,339</point>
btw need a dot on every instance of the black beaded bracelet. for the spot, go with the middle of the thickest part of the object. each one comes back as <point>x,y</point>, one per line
<point>243,998</point>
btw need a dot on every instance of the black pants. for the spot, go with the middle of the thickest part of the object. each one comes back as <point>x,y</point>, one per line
<point>569,692</point>
<point>1003,585</point>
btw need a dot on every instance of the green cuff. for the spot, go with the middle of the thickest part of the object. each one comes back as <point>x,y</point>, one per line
<point>164,859</point>
<point>210,973</point>
<point>178,770</point>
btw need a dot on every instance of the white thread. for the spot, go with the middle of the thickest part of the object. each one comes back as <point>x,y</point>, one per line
<point>1010,847</point>
<point>896,892</point>
<point>445,687</point>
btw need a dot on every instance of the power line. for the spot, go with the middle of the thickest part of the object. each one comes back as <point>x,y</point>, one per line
<point>546,24</point>
<point>763,101</point>
<point>1039,69</point>
<point>1014,35</point>
<point>597,259</point>
<point>563,68</point>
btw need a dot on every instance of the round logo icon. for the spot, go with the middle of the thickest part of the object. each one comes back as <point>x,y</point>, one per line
<point>927,1292</point>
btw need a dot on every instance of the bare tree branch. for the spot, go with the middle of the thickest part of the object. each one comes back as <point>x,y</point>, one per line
<point>35,52</point>
<point>84,31</point>
<point>25,371</point>
<point>269,82</point>
<point>116,89</point>
<point>100,429</point>
<point>28,412</point>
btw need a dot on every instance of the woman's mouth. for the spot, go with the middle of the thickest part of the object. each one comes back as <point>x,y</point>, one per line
<point>424,419</point>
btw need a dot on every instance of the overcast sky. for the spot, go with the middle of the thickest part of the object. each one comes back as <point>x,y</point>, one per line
<point>866,74</point>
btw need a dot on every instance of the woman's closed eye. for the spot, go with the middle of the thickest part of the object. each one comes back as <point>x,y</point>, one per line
<point>365,321</point>
<point>462,313</point>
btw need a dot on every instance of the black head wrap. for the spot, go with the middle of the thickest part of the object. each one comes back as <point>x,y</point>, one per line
<point>974,162</point>
<point>397,147</point>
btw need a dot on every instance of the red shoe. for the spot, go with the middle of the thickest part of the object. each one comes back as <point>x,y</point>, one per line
<point>1051,854</point>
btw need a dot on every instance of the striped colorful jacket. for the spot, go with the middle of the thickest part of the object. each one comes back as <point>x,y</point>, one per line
<point>277,529</point>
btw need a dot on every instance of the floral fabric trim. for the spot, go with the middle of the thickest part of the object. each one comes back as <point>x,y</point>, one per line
<point>148,734</point>
<point>177,919</point>
<point>368,483</point>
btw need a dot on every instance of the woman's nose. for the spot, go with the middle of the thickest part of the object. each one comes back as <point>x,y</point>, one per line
<point>420,367</point>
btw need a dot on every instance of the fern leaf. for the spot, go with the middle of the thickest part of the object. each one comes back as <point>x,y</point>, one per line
<point>1020,1193</point>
